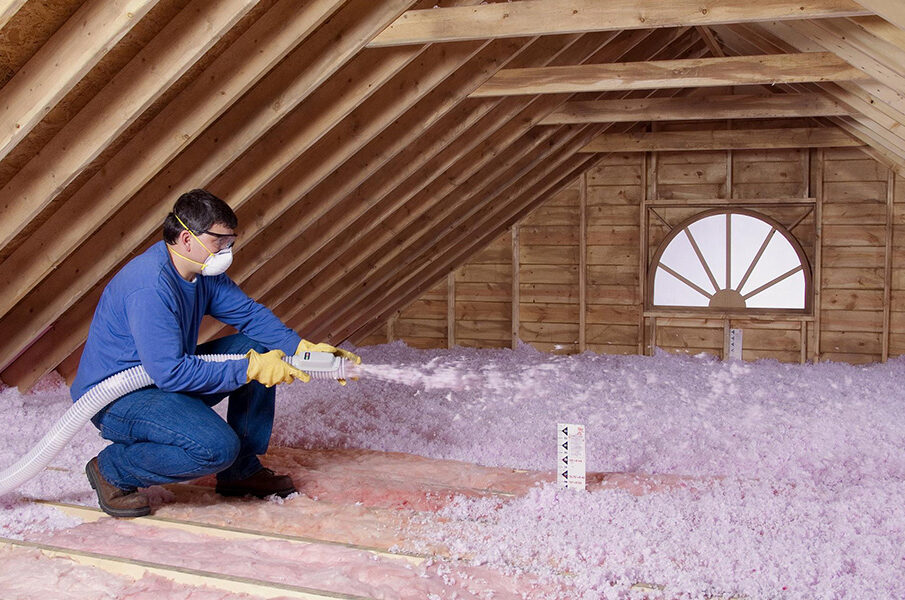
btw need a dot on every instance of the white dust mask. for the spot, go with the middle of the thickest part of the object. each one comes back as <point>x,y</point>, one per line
<point>217,264</point>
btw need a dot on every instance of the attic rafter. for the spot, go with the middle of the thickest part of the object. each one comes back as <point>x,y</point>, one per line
<point>703,108</point>
<point>391,220</point>
<point>884,122</point>
<point>107,115</point>
<point>460,194</point>
<point>494,185</point>
<point>738,139</point>
<point>836,37</point>
<point>338,40</point>
<point>328,209</point>
<point>45,79</point>
<point>186,117</point>
<point>701,72</point>
<point>712,43</point>
<point>530,200</point>
<point>434,81</point>
<point>891,10</point>
<point>455,251</point>
<point>880,29</point>
<point>547,17</point>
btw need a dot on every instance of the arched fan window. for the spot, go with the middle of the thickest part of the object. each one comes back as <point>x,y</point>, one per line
<point>737,261</point>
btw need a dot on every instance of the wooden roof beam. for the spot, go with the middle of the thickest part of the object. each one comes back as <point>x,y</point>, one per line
<point>873,121</point>
<point>732,139</point>
<point>111,111</point>
<point>140,219</point>
<point>703,108</point>
<point>46,78</point>
<point>328,209</point>
<point>547,17</point>
<point>701,72</point>
<point>885,122</point>
<point>185,118</point>
<point>421,198</point>
<point>887,76</point>
<point>891,10</point>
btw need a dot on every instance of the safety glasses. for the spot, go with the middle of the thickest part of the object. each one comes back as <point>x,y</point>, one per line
<point>222,240</point>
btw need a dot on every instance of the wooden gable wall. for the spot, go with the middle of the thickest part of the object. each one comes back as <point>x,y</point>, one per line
<point>577,279</point>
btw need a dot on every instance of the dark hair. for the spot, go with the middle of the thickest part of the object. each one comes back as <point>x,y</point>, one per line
<point>199,210</point>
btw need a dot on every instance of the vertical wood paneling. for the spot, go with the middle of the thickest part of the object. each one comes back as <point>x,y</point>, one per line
<point>818,252</point>
<point>582,262</point>
<point>515,323</point>
<point>578,279</point>
<point>887,276</point>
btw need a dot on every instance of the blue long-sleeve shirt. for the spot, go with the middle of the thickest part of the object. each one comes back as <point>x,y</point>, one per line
<point>149,315</point>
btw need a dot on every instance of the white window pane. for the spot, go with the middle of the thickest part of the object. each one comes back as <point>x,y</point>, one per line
<point>710,234</point>
<point>748,234</point>
<point>779,257</point>
<point>788,293</point>
<point>669,291</point>
<point>680,256</point>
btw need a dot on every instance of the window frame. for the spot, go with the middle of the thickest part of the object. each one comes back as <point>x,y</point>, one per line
<point>654,264</point>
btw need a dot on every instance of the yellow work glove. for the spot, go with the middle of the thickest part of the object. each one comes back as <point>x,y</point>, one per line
<point>270,368</point>
<point>306,346</point>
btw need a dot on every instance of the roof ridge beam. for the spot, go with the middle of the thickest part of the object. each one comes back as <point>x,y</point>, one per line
<point>550,17</point>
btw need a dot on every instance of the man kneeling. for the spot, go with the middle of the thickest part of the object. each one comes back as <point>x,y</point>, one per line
<point>150,314</point>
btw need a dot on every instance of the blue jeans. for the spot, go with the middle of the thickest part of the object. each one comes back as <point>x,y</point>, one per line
<point>164,437</point>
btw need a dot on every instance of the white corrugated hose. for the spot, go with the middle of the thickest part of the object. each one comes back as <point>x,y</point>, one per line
<point>320,365</point>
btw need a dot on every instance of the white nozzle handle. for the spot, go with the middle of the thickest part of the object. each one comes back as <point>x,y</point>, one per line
<point>320,365</point>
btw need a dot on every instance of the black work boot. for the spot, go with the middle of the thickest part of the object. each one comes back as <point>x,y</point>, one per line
<point>262,484</point>
<point>114,501</point>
